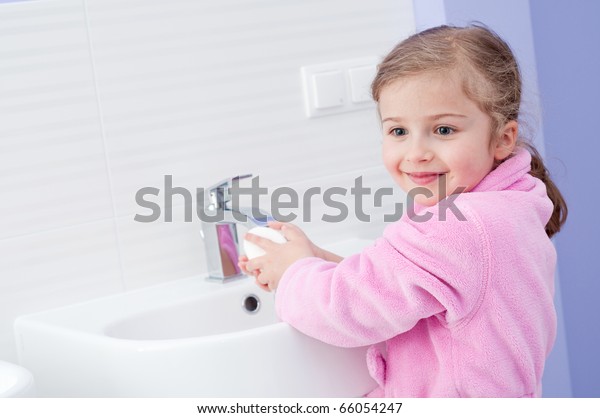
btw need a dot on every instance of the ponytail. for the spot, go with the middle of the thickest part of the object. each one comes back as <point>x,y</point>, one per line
<point>560,211</point>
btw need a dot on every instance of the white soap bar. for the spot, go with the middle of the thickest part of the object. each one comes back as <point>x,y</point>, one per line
<point>253,250</point>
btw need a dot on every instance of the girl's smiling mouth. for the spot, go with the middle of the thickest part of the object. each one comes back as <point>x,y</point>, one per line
<point>422,178</point>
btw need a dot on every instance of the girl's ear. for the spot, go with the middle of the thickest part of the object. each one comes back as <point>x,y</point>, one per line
<point>506,141</point>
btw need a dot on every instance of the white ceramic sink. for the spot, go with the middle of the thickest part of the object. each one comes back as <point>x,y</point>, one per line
<point>190,338</point>
<point>15,381</point>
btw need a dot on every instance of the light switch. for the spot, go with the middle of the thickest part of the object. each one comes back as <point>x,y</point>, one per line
<point>360,82</point>
<point>329,89</point>
<point>335,87</point>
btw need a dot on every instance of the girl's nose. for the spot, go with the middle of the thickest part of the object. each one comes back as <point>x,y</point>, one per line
<point>419,151</point>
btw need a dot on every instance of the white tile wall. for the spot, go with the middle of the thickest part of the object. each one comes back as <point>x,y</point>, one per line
<point>52,160</point>
<point>99,98</point>
<point>49,269</point>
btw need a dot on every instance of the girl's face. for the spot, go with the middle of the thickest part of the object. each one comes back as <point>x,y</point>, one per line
<point>435,137</point>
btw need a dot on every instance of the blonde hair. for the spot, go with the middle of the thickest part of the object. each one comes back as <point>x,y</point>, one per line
<point>490,77</point>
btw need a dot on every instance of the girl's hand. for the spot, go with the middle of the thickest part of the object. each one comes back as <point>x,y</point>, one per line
<point>269,268</point>
<point>242,262</point>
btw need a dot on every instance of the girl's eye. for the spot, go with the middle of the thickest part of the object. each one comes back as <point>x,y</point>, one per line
<point>445,130</point>
<point>398,132</point>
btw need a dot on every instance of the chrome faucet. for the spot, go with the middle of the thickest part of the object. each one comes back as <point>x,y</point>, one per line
<point>220,237</point>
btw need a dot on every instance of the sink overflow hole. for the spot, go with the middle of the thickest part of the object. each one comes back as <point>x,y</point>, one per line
<point>251,304</point>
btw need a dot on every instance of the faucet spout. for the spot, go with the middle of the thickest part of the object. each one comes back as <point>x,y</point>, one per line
<point>221,242</point>
<point>248,216</point>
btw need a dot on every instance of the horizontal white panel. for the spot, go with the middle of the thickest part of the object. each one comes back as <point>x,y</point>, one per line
<point>52,269</point>
<point>53,170</point>
<point>160,251</point>
<point>203,91</point>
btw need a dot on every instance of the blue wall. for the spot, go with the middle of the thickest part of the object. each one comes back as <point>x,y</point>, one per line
<point>567,44</point>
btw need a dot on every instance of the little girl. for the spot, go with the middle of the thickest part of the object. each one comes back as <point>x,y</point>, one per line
<point>462,305</point>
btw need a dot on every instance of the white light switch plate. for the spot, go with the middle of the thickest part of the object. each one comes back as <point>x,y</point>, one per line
<point>338,86</point>
<point>329,89</point>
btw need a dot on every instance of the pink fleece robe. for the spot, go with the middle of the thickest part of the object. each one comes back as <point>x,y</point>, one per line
<point>462,308</point>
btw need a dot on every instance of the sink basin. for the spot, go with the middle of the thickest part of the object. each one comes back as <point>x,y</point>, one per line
<point>189,338</point>
<point>234,308</point>
<point>15,381</point>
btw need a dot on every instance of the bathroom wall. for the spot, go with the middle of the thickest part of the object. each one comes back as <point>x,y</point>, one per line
<point>99,98</point>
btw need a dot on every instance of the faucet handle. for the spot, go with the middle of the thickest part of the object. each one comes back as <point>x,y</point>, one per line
<point>219,192</point>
